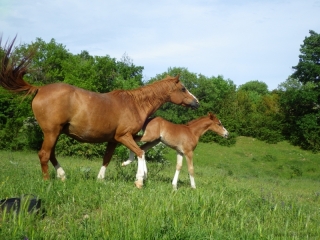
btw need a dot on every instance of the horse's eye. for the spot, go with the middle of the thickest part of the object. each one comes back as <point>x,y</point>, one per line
<point>183,89</point>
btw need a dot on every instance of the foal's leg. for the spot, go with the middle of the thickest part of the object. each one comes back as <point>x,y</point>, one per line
<point>189,157</point>
<point>178,168</point>
<point>106,159</point>
<point>144,147</point>
<point>130,160</point>
<point>46,151</point>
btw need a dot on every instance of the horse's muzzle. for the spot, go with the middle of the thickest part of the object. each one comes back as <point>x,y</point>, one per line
<point>195,104</point>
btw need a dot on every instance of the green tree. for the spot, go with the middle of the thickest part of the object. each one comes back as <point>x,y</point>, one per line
<point>308,68</point>
<point>256,86</point>
<point>301,113</point>
<point>47,63</point>
<point>300,97</point>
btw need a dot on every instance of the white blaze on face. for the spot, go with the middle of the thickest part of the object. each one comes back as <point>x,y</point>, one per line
<point>193,96</point>
<point>225,130</point>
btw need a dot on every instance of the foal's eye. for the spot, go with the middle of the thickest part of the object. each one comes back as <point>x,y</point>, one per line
<point>183,89</point>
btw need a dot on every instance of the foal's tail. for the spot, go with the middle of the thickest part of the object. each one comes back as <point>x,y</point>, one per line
<point>13,69</point>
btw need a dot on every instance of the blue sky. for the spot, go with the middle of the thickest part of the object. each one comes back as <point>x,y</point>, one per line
<point>240,40</point>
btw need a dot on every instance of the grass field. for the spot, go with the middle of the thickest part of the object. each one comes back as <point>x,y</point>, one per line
<point>252,190</point>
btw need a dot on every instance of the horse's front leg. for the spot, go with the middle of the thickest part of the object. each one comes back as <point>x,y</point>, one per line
<point>189,157</point>
<point>106,159</point>
<point>128,141</point>
<point>178,168</point>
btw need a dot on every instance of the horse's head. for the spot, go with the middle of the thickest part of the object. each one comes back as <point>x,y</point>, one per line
<point>181,96</point>
<point>216,126</point>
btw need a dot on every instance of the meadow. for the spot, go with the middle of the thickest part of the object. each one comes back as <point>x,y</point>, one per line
<point>252,190</point>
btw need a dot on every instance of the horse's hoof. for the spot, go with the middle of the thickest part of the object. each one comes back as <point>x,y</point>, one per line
<point>123,164</point>
<point>175,187</point>
<point>139,184</point>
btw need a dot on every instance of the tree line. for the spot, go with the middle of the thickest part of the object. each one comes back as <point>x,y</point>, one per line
<point>291,112</point>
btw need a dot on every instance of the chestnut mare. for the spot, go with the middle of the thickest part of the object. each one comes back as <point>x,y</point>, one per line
<point>113,117</point>
<point>182,138</point>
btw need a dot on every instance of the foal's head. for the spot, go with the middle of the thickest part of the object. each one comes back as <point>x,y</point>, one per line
<point>181,96</point>
<point>216,126</point>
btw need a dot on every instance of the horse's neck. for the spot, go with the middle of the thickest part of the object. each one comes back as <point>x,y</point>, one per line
<point>200,127</point>
<point>150,100</point>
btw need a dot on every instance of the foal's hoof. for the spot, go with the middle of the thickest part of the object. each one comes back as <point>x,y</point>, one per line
<point>139,184</point>
<point>174,187</point>
<point>62,178</point>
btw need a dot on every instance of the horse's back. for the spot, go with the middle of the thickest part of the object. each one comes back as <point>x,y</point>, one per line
<point>61,100</point>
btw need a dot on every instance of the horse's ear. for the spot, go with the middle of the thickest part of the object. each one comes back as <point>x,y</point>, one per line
<point>177,78</point>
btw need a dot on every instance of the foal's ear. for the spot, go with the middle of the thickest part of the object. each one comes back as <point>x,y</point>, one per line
<point>211,115</point>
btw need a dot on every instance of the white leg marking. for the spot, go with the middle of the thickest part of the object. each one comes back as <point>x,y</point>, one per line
<point>102,172</point>
<point>130,160</point>
<point>60,172</point>
<point>140,171</point>
<point>175,180</point>
<point>178,168</point>
<point>193,183</point>
<point>125,163</point>
<point>145,170</point>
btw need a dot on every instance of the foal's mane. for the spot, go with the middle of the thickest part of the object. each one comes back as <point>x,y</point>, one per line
<point>195,120</point>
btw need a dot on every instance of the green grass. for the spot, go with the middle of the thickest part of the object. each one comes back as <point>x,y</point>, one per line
<point>249,191</point>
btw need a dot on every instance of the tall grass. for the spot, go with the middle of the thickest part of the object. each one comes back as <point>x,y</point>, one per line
<point>250,191</point>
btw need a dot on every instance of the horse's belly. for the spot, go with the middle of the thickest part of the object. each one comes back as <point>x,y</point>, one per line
<point>85,134</point>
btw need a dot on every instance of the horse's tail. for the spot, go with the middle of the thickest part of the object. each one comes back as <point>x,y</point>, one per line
<point>13,69</point>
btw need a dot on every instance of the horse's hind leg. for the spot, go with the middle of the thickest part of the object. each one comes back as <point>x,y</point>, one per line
<point>46,152</point>
<point>106,159</point>
<point>60,172</point>
<point>178,168</point>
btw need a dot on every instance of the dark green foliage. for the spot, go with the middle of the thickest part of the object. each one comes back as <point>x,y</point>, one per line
<point>67,146</point>
<point>300,106</point>
<point>47,64</point>
<point>300,97</point>
<point>308,68</point>
<point>256,86</point>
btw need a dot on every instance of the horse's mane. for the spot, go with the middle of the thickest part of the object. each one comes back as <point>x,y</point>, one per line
<point>148,92</point>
